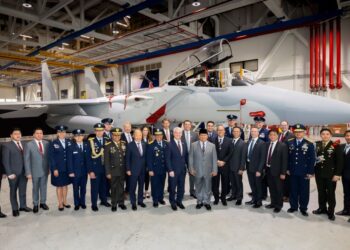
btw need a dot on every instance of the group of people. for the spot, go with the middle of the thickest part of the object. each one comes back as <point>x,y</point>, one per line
<point>120,162</point>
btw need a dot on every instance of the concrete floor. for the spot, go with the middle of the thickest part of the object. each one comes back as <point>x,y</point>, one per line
<point>222,228</point>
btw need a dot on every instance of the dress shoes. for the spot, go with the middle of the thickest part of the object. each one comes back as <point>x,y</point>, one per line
<point>162,202</point>
<point>291,210</point>
<point>2,215</point>
<point>251,202</point>
<point>319,211</point>
<point>224,202</point>
<point>25,209</point>
<point>114,208</point>
<point>106,204</point>
<point>155,204</point>
<point>257,205</point>
<point>343,213</point>
<point>134,207</point>
<point>94,208</point>
<point>143,205</point>
<point>238,202</point>
<point>208,207</point>
<point>15,213</point>
<point>304,213</point>
<point>173,207</point>
<point>35,209</point>
<point>44,206</point>
<point>83,206</point>
<point>66,205</point>
<point>76,208</point>
<point>180,205</point>
<point>199,206</point>
<point>231,198</point>
<point>269,206</point>
<point>122,206</point>
<point>277,210</point>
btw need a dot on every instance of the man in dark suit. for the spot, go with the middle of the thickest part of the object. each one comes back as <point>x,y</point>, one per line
<point>135,168</point>
<point>284,136</point>
<point>223,151</point>
<point>255,161</point>
<point>276,168</point>
<point>237,164</point>
<point>12,159</point>
<point>2,175</point>
<point>212,134</point>
<point>345,149</point>
<point>178,162</point>
<point>167,132</point>
<point>188,137</point>
<point>127,138</point>
<point>328,169</point>
<point>232,122</point>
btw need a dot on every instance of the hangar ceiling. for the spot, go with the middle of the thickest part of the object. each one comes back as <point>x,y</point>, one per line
<point>28,27</point>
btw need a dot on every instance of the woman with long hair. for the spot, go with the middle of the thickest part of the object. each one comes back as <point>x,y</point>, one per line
<point>147,138</point>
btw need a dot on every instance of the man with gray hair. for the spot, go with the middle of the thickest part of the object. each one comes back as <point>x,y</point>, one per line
<point>203,166</point>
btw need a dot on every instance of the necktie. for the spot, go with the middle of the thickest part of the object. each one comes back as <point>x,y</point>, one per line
<point>210,134</point>
<point>167,135</point>
<point>269,155</point>
<point>250,150</point>
<point>220,141</point>
<point>347,148</point>
<point>140,148</point>
<point>20,147</point>
<point>203,147</point>
<point>101,142</point>
<point>179,146</point>
<point>188,140</point>
<point>63,143</point>
<point>81,148</point>
<point>41,148</point>
<point>230,130</point>
<point>298,142</point>
<point>160,144</point>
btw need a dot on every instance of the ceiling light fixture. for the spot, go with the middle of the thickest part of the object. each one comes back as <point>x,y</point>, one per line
<point>27,5</point>
<point>196,3</point>
<point>122,24</point>
<point>25,36</point>
<point>83,36</point>
<point>128,17</point>
<point>115,32</point>
<point>66,44</point>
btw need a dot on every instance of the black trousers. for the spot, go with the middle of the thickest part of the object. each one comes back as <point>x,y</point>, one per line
<point>326,193</point>
<point>18,185</point>
<point>147,180</point>
<point>346,188</point>
<point>256,187</point>
<point>276,189</point>
<point>223,175</point>
<point>286,185</point>
<point>236,185</point>
<point>117,190</point>
<point>264,185</point>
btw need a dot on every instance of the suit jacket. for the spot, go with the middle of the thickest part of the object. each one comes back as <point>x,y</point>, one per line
<point>58,155</point>
<point>223,151</point>
<point>115,158</point>
<point>286,137</point>
<point>135,162</point>
<point>213,136</point>
<point>171,134</point>
<point>35,163</point>
<point>194,137</point>
<point>123,137</point>
<point>78,161</point>
<point>177,162</point>
<point>257,161</point>
<point>203,163</point>
<point>346,162</point>
<point>230,135</point>
<point>12,158</point>
<point>238,156</point>
<point>279,159</point>
<point>329,160</point>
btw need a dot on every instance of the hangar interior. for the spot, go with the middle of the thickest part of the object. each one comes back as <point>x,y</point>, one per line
<point>293,45</point>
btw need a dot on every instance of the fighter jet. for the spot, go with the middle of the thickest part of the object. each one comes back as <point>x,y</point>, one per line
<point>198,90</point>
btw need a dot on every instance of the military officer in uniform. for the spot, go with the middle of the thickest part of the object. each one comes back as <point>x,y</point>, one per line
<point>232,122</point>
<point>115,168</point>
<point>328,169</point>
<point>263,132</point>
<point>59,166</point>
<point>78,156</point>
<point>301,168</point>
<point>108,122</point>
<point>96,167</point>
<point>157,160</point>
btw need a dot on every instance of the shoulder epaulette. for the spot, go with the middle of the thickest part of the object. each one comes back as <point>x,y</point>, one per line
<point>291,139</point>
<point>107,143</point>
<point>91,138</point>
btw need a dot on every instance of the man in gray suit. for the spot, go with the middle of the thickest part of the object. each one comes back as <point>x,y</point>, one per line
<point>237,166</point>
<point>188,137</point>
<point>12,159</point>
<point>203,166</point>
<point>37,168</point>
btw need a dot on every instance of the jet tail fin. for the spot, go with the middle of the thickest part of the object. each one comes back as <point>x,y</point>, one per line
<point>48,91</point>
<point>92,87</point>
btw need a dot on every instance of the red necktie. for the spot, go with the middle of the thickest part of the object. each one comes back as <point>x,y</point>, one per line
<point>41,148</point>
